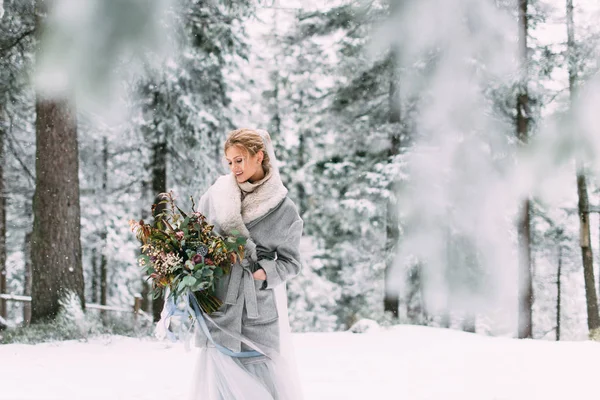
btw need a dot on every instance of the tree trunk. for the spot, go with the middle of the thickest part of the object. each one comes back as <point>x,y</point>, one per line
<point>55,241</point>
<point>524,225</point>
<point>103,274</point>
<point>56,246</point>
<point>469,323</point>
<point>28,280</point>
<point>395,109</point>
<point>446,319</point>
<point>145,306</point>
<point>103,234</point>
<point>3,308</point>
<point>300,183</point>
<point>583,203</point>
<point>276,118</point>
<point>391,298</point>
<point>95,277</point>
<point>587,256</point>
<point>144,214</point>
<point>558,292</point>
<point>159,185</point>
<point>525,278</point>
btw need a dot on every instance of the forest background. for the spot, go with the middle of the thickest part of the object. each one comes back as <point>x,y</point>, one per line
<point>443,154</point>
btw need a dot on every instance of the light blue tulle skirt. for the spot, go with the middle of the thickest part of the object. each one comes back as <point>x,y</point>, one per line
<point>221,377</point>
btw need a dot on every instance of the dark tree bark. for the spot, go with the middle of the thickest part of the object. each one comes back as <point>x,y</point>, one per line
<point>587,256</point>
<point>159,185</point>
<point>524,222</point>
<point>103,234</point>
<point>95,277</point>
<point>145,214</point>
<point>55,242</point>
<point>394,97</point>
<point>145,306</point>
<point>157,138</point>
<point>56,246</point>
<point>583,203</point>
<point>3,308</point>
<point>276,118</point>
<point>301,190</point>
<point>558,292</point>
<point>28,279</point>
<point>525,278</point>
<point>391,297</point>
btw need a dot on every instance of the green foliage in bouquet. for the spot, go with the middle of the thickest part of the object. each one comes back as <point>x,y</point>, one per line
<point>182,252</point>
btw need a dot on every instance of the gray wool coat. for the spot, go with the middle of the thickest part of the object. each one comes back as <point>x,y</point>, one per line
<point>274,225</point>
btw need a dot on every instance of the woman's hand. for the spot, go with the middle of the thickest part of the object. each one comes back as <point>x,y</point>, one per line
<point>259,275</point>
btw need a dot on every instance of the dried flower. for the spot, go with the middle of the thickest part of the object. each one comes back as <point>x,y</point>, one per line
<point>173,265</point>
<point>197,259</point>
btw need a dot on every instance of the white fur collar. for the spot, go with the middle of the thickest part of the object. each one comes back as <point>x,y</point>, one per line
<point>263,198</point>
<point>233,213</point>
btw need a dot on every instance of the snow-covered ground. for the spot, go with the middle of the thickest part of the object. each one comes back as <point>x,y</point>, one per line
<point>405,362</point>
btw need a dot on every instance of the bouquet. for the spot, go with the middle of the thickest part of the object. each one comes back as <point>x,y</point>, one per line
<point>181,252</point>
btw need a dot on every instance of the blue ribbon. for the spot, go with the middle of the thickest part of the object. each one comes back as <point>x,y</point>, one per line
<point>222,349</point>
<point>196,311</point>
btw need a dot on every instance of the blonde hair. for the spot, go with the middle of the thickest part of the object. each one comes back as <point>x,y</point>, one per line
<point>251,141</point>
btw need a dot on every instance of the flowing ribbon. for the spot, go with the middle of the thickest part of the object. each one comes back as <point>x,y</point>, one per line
<point>193,309</point>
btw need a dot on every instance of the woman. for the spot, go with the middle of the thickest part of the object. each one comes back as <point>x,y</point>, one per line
<point>246,351</point>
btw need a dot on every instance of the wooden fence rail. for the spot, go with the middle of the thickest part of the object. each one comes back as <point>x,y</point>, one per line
<point>136,309</point>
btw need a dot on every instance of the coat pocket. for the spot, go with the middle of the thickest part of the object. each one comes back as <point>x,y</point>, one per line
<point>267,309</point>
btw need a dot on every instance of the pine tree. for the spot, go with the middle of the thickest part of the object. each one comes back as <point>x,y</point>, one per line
<point>349,183</point>
<point>184,103</point>
<point>16,31</point>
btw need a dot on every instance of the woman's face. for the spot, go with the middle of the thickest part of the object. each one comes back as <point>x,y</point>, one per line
<point>243,165</point>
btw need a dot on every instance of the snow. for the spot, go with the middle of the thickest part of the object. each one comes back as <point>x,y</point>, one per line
<point>403,362</point>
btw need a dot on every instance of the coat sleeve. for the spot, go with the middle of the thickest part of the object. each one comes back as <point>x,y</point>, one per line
<point>287,265</point>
